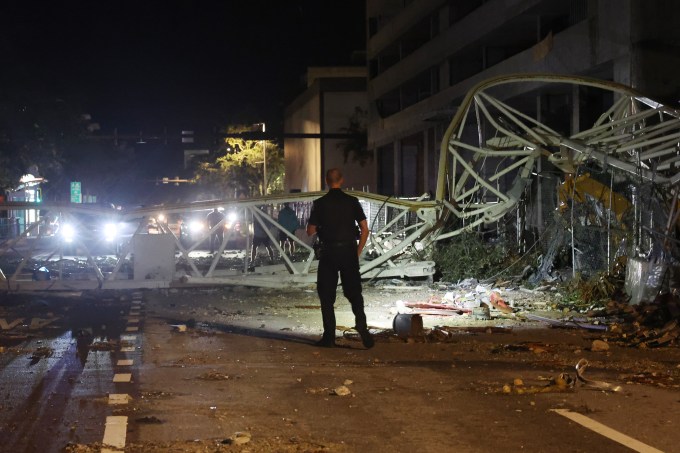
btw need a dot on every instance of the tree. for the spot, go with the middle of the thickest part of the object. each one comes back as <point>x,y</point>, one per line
<point>238,168</point>
<point>356,145</point>
<point>33,131</point>
<point>50,136</point>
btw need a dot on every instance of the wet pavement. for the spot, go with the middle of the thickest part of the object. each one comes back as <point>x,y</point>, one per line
<point>54,377</point>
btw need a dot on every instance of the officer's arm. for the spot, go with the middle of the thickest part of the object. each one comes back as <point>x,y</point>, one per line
<point>363,225</point>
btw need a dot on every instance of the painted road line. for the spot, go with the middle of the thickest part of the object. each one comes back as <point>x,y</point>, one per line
<point>128,349</point>
<point>115,431</point>
<point>132,329</point>
<point>124,362</point>
<point>606,431</point>
<point>128,337</point>
<point>133,320</point>
<point>122,377</point>
<point>119,398</point>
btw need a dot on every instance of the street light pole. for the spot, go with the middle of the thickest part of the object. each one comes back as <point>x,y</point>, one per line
<point>264,167</point>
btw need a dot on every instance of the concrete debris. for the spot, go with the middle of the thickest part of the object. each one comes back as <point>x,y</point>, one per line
<point>42,353</point>
<point>149,420</point>
<point>561,383</point>
<point>108,345</point>
<point>342,391</point>
<point>599,346</point>
<point>466,298</point>
<point>238,438</point>
<point>214,376</point>
<point>536,348</point>
<point>316,390</point>
<point>647,325</point>
<point>568,322</point>
<point>481,313</point>
<point>659,379</point>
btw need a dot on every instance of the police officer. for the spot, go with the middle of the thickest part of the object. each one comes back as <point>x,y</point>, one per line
<point>334,218</point>
<point>216,238</point>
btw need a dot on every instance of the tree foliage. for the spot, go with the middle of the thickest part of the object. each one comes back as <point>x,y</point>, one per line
<point>33,132</point>
<point>236,169</point>
<point>467,255</point>
<point>50,137</point>
<point>356,146</point>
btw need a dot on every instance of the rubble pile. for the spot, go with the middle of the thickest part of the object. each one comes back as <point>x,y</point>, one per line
<point>646,325</point>
<point>601,307</point>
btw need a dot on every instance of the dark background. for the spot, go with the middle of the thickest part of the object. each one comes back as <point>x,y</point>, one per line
<point>176,64</point>
<point>150,68</point>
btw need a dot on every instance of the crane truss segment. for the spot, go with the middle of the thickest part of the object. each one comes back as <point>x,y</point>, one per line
<point>490,148</point>
<point>399,230</point>
<point>487,159</point>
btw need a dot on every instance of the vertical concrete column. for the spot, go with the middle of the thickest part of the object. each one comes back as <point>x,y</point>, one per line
<point>397,167</point>
<point>575,109</point>
<point>426,160</point>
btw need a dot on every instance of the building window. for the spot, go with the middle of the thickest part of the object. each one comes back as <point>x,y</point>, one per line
<point>409,42</point>
<point>386,169</point>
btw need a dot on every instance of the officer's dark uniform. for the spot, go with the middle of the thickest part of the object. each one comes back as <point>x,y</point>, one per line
<point>336,216</point>
<point>214,218</point>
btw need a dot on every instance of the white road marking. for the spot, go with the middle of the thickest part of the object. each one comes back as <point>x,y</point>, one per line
<point>128,349</point>
<point>122,377</point>
<point>119,398</point>
<point>132,329</point>
<point>124,362</point>
<point>115,431</point>
<point>128,337</point>
<point>606,431</point>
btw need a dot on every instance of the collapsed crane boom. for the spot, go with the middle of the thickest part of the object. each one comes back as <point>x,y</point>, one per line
<point>496,148</point>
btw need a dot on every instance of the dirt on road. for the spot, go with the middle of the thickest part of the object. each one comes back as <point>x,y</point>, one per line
<point>244,376</point>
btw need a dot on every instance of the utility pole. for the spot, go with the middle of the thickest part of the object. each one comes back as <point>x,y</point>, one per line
<point>264,166</point>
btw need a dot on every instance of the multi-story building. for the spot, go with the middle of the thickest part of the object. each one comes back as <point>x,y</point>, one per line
<point>325,128</point>
<point>424,55</point>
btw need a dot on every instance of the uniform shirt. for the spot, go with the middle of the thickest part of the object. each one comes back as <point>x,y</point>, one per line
<point>214,218</point>
<point>288,219</point>
<point>335,216</point>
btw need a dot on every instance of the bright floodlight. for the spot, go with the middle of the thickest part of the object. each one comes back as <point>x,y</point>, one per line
<point>68,232</point>
<point>196,226</point>
<point>232,217</point>
<point>110,231</point>
<point>161,217</point>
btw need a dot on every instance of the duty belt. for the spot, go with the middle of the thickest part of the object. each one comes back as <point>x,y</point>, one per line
<point>338,244</point>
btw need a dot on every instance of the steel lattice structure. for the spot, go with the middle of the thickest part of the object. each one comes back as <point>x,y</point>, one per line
<point>488,158</point>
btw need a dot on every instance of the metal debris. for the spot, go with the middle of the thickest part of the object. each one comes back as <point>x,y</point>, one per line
<point>598,385</point>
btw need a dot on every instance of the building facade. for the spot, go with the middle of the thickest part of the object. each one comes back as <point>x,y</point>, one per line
<point>320,127</point>
<point>424,55</point>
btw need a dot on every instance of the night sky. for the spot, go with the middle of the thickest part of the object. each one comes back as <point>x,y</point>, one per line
<point>146,65</point>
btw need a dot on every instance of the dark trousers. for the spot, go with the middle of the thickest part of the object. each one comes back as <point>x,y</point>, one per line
<point>216,240</point>
<point>342,260</point>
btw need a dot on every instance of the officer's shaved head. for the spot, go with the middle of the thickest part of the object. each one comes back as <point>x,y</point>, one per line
<point>334,177</point>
